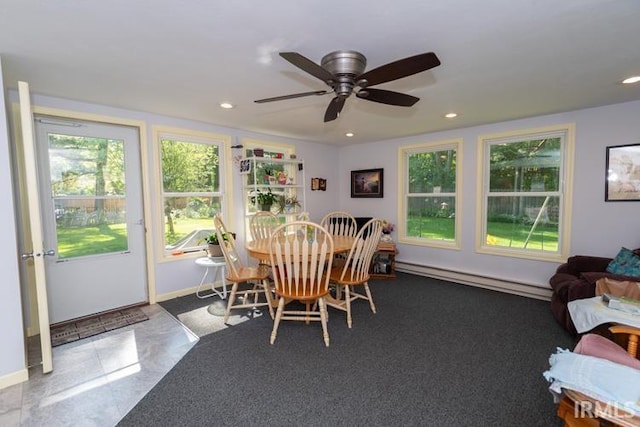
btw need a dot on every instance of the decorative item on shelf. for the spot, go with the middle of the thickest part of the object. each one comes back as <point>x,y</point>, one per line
<point>387,228</point>
<point>264,200</point>
<point>282,178</point>
<point>258,152</point>
<point>288,204</point>
<point>292,156</point>
<point>268,176</point>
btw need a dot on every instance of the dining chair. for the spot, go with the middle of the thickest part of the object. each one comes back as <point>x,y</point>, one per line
<point>355,271</point>
<point>237,273</point>
<point>301,254</point>
<point>340,223</point>
<point>262,225</point>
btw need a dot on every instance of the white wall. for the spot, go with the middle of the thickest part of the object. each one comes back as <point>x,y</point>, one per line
<point>12,355</point>
<point>597,227</point>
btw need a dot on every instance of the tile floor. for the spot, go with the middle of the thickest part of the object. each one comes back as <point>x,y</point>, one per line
<point>97,380</point>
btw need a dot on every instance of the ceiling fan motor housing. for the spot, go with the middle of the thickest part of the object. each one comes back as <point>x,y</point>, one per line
<point>346,65</point>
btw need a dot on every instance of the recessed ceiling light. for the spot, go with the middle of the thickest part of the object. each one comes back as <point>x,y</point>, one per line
<point>349,134</point>
<point>226,105</point>
<point>451,115</point>
<point>634,79</point>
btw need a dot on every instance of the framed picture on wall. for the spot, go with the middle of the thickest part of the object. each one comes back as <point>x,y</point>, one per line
<point>245,166</point>
<point>622,182</point>
<point>367,183</point>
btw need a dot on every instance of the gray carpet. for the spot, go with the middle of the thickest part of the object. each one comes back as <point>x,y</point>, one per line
<point>436,354</point>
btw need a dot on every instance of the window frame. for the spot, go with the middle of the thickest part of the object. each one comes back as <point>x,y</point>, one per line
<point>403,192</point>
<point>224,192</point>
<point>566,133</point>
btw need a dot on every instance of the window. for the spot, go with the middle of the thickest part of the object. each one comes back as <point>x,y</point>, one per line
<point>524,193</point>
<point>193,187</point>
<point>430,209</point>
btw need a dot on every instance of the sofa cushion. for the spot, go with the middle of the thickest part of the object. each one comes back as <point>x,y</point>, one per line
<point>598,346</point>
<point>626,263</point>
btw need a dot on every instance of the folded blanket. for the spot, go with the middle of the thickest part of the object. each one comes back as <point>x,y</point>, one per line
<point>608,382</point>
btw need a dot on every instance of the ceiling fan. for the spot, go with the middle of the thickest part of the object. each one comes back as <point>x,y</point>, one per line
<point>343,71</point>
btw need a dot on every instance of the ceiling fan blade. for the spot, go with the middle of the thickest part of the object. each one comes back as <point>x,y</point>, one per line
<point>294,95</point>
<point>400,68</point>
<point>387,97</point>
<point>334,108</point>
<point>309,66</point>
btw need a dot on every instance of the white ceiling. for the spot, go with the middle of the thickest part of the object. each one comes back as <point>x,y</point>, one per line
<point>501,59</point>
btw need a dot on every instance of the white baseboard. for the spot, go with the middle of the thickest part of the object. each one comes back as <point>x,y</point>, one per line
<point>189,291</point>
<point>14,378</point>
<point>493,283</point>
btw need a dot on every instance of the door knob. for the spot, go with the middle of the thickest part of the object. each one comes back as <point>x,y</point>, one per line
<point>27,256</point>
<point>50,252</point>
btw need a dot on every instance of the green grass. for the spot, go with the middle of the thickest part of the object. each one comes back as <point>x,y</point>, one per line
<point>108,238</point>
<point>91,240</point>
<point>501,234</point>
<point>183,226</point>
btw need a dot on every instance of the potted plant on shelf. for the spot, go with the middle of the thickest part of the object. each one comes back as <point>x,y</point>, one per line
<point>264,200</point>
<point>213,245</point>
<point>288,204</point>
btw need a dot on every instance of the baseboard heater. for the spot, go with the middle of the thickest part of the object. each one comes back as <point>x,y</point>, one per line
<point>493,283</point>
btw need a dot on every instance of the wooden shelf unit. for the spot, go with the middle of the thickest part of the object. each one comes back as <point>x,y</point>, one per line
<point>383,265</point>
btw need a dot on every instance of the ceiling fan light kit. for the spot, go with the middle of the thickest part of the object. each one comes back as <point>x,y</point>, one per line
<point>344,72</point>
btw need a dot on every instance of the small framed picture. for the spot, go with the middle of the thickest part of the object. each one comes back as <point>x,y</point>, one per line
<point>245,166</point>
<point>622,183</point>
<point>367,183</point>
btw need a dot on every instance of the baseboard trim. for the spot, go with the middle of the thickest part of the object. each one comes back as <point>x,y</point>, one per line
<point>14,378</point>
<point>471,279</point>
<point>189,291</point>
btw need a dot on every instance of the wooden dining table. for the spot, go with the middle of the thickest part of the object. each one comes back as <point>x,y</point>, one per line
<point>259,249</point>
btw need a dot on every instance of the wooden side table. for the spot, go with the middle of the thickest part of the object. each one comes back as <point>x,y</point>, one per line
<point>384,261</point>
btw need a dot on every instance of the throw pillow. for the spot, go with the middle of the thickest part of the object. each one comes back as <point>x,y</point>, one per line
<point>626,263</point>
<point>618,288</point>
<point>598,346</point>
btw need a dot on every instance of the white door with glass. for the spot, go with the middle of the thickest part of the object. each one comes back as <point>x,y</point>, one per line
<point>90,182</point>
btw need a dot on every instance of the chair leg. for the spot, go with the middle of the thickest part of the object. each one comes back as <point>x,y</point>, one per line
<point>347,303</point>
<point>232,298</point>
<point>276,322</point>
<point>323,320</point>
<point>267,294</point>
<point>369,297</point>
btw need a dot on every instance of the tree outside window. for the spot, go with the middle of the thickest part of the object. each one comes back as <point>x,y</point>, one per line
<point>431,195</point>
<point>191,194</point>
<point>523,194</point>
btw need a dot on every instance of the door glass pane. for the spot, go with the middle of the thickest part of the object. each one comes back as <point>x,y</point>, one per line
<point>88,191</point>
